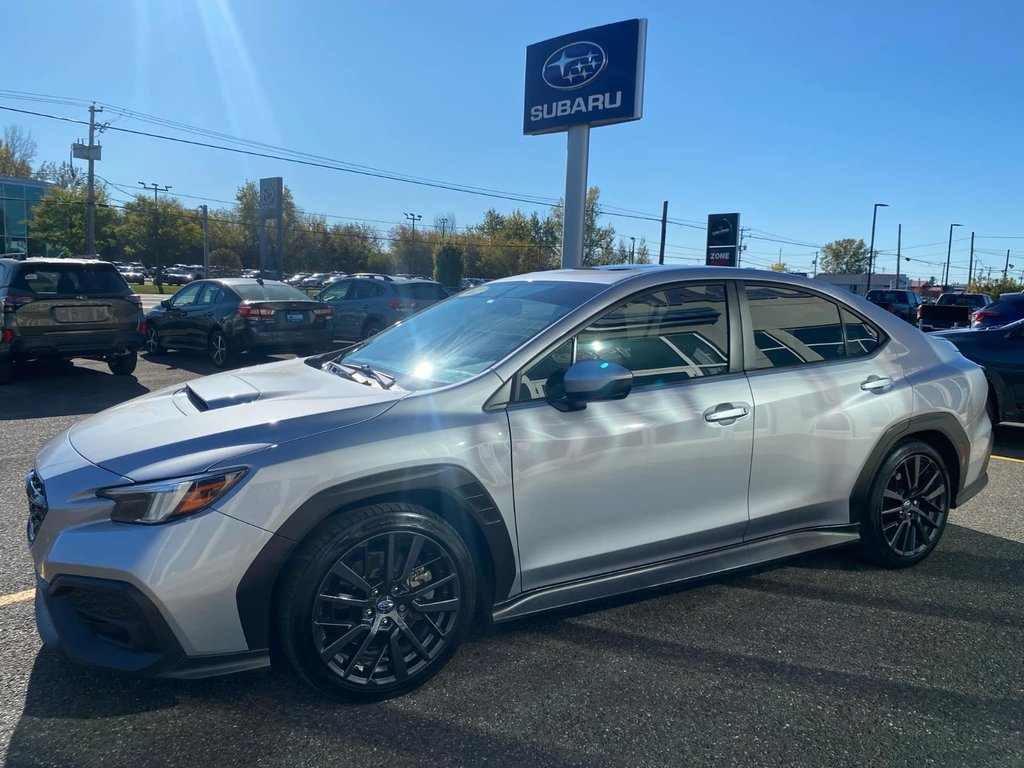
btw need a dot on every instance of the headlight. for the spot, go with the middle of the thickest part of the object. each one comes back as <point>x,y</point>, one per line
<point>165,500</point>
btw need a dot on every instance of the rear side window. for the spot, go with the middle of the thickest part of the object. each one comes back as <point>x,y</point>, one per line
<point>269,292</point>
<point>421,291</point>
<point>365,289</point>
<point>793,327</point>
<point>862,338</point>
<point>70,279</point>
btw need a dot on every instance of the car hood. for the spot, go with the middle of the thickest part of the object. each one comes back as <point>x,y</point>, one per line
<point>190,427</point>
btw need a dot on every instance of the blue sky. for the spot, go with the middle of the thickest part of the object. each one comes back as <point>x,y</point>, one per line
<point>800,115</point>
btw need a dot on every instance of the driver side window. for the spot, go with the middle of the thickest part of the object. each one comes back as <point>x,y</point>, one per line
<point>186,296</point>
<point>663,337</point>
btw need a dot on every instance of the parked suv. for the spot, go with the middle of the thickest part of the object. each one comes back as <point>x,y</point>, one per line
<point>67,308</point>
<point>901,303</point>
<point>529,444</point>
<point>367,303</point>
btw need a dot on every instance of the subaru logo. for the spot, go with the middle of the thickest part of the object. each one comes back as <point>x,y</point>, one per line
<point>574,65</point>
<point>386,605</point>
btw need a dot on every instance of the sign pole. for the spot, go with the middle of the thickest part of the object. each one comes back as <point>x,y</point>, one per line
<point>575,209</point>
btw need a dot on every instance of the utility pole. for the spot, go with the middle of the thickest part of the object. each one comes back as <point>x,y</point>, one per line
<point>970,264</point>
<point>444,222</point>
<point>1006,264</point>
<point>664,223</point>
<point>949,250</point>
<point>740,247</point>
<point>871,248</point>
<point>413,217</point>
<point>156,231</point>
<point>899,241</point>
<point>632,249</point>
<point>90,205</point>
<point>206,239</point>
<point>815,263</point>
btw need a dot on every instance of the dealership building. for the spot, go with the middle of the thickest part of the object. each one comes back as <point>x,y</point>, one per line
<point>19,197</point>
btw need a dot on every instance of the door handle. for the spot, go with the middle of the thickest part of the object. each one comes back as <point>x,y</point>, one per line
<point>725,412</point>
<point>876,384</point>
<point>207,314</point>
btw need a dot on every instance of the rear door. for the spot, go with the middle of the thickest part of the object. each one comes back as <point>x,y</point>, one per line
<point>826,384</point>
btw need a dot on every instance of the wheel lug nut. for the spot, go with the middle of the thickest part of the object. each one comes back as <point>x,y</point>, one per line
<point>367,612</point>
<point>385,622</point>
<point>394,590</point>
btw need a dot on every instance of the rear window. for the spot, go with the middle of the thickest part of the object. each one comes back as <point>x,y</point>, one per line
<point>420,291</point>
<point>962,300</point>
<point>70,279</point>
<point>269,292</point>
<point>891,296</point>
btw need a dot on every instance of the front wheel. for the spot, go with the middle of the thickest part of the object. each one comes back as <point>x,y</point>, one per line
<point>123,365</point>
<point>908,506</point>
<point>376,601</point>
<point>220,356</point>
<point>153,345</point>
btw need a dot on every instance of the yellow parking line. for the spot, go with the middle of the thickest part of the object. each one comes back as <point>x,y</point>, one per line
<point>1007,458</point>
<point>17,597</point>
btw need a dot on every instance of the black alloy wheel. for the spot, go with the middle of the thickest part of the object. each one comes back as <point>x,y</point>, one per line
<point>377,602</point>
<point>909,506</point>
<point>372,328</point>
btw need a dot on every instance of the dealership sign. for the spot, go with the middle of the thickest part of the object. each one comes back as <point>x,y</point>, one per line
<point>591,77</point>
<point>723,239</point>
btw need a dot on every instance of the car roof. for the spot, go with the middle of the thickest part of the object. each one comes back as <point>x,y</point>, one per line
<point>37,260</point>
<point>229,281</point>
<point>620,273</point>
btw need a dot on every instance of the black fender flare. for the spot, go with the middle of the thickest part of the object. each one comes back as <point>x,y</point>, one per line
<point>463,498</point>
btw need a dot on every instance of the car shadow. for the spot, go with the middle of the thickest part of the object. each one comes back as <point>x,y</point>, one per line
<point>61,388</point>
<point>822,640</point>
<point>1009,440</point>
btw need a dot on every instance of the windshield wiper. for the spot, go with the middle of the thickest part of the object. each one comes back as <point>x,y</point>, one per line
<point>361,374</point>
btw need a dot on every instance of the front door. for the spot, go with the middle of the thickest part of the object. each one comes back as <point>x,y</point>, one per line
<point>174,329</point>
<point>660,474</point>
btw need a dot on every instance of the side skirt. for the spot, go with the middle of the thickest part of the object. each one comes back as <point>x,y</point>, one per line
<point>715,562</point>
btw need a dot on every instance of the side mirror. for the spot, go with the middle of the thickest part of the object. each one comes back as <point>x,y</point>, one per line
<point>165,303</point>
<point>591,381</point>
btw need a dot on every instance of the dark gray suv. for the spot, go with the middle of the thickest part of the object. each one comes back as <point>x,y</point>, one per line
<point>65,308</point>
<point>367,303</point>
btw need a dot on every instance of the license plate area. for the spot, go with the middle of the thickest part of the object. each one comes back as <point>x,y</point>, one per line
<point>295,317</point>
<point>88,314</point>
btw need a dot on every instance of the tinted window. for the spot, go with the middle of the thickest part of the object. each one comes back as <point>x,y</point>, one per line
<point>211,295</point>
<point>862,338</point>
<point>662,337</point>
<point>421,291</point>
<point>962,299</point>
<point>336,291</point>
<point>269,291</point>
<point>77,279</point>
<point>792,327</point>
<point>365,289</point>
<point>893,297</point>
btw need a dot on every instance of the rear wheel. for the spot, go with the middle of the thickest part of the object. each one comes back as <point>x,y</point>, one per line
<point>123,365</point>
<point>220,355</point>
<point>372,328</point>
<point>376,601</point>
<point>907,507</point>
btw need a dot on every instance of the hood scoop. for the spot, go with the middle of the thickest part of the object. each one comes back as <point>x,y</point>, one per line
<point>215,392</point>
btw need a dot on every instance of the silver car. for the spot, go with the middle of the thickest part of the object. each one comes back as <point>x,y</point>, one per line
<point>528,444</point>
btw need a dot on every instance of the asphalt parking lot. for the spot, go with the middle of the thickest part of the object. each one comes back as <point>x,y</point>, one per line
<point>820,661</point>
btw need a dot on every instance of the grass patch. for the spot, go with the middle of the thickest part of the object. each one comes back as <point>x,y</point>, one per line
<point>169,290</point>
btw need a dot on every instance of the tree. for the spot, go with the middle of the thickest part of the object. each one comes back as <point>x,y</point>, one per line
<point>847,256</point>
<point>17,151</point>
<point>65,175</point>
<point>448,264</point>
<point>59,220</point>
<point>779,266</point>
<point>159,233</point>
<point>225,259</point>
<point>598,241</point>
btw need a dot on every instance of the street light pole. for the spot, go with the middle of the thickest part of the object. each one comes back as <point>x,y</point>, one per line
<point>871,248</point>
<point>413,217</point>
<point>949,250</point>
<point>632,249</point>
<point>156,234</point>
<point>899,243</point>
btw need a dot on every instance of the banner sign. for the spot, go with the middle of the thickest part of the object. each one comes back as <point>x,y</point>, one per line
<point>591,77</point>
<point>271,196</point>
<point>723,239</point>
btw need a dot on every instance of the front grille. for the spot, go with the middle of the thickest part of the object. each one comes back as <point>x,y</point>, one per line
<point>37,506</point>
<point>111,616</point>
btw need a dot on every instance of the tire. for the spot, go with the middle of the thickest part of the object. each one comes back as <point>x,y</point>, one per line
<point>153,345</point>
<point>992,408</point>
<point>372,328</point>
<point>217,347</point>
<point>6,372</point>
<point>389,632</point>
<point>123,365</point>
<point>908,506</point>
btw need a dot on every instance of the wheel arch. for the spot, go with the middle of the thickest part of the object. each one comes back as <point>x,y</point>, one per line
<point>942,431</point>
<point>449,491</point>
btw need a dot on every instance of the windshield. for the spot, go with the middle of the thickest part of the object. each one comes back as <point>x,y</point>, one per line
<point>470,332</point>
